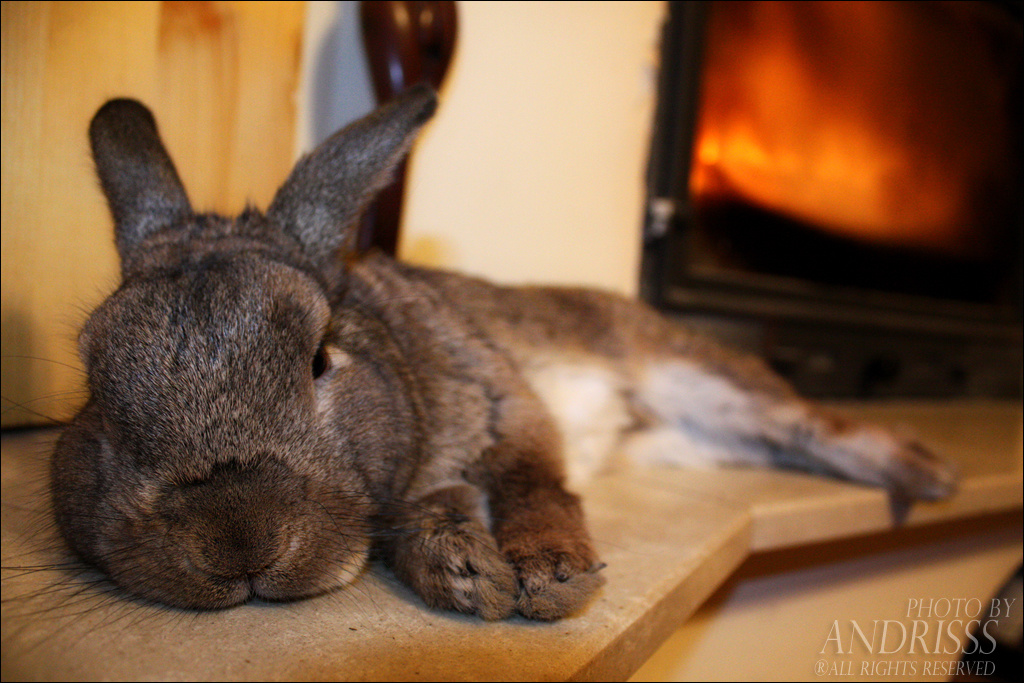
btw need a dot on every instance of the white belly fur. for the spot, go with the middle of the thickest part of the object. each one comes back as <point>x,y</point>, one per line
<point>588,404</point>
<point>673,413</point>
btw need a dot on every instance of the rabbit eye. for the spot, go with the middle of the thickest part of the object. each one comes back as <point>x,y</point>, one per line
<point>321,362</point>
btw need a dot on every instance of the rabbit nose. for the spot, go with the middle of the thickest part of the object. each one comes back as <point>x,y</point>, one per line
<point>237,548</point>
<point>233,524</point>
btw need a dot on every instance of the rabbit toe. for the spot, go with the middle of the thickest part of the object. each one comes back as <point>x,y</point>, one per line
<point>554,585</point>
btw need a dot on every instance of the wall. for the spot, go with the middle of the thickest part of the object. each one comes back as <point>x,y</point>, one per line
<point>533,168</point>
<point>335,83</point>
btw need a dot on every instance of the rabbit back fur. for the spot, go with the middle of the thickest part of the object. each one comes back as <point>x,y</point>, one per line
<point>618,378</point>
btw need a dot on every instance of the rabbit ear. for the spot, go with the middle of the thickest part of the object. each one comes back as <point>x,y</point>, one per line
<point>329,188</point>
<point>138,177</point>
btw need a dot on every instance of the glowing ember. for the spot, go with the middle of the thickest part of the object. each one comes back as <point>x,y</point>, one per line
<point>839,114</point>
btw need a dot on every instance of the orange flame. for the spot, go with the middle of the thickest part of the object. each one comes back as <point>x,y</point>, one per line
<point>834,113</point>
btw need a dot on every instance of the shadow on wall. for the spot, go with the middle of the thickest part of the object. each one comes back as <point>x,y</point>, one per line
<point>18,368</point>
<point>340,90</point>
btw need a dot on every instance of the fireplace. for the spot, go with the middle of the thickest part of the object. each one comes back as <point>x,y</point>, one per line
<point>838,186</point>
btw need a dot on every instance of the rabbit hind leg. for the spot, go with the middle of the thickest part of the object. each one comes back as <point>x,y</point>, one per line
<point>698,415</point>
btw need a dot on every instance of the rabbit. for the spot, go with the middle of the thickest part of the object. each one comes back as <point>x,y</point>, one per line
<point>268,410</point>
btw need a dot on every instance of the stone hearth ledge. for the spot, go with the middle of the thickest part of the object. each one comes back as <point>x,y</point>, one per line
<point>670,539</point>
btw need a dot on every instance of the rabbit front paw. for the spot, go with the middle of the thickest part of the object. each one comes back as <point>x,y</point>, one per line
<point>556,577</point>
<point>452,561</point>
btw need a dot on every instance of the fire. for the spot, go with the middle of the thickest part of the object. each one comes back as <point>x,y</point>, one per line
<point>834,113</point>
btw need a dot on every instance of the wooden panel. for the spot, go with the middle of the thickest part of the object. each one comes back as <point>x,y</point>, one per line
<point>227,76</point>
<point>221,78</point>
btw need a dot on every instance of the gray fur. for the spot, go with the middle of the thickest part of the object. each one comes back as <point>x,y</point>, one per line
<point>329,188</point>
<point>266,408</point>
<point>136,173</point>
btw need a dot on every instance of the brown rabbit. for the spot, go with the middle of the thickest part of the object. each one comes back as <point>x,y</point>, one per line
<point>267,408</point>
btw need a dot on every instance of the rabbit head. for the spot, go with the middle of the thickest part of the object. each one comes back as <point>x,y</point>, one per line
<point>221,455</point>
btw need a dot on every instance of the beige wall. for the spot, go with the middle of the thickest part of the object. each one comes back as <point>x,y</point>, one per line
<point>533,169</point>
